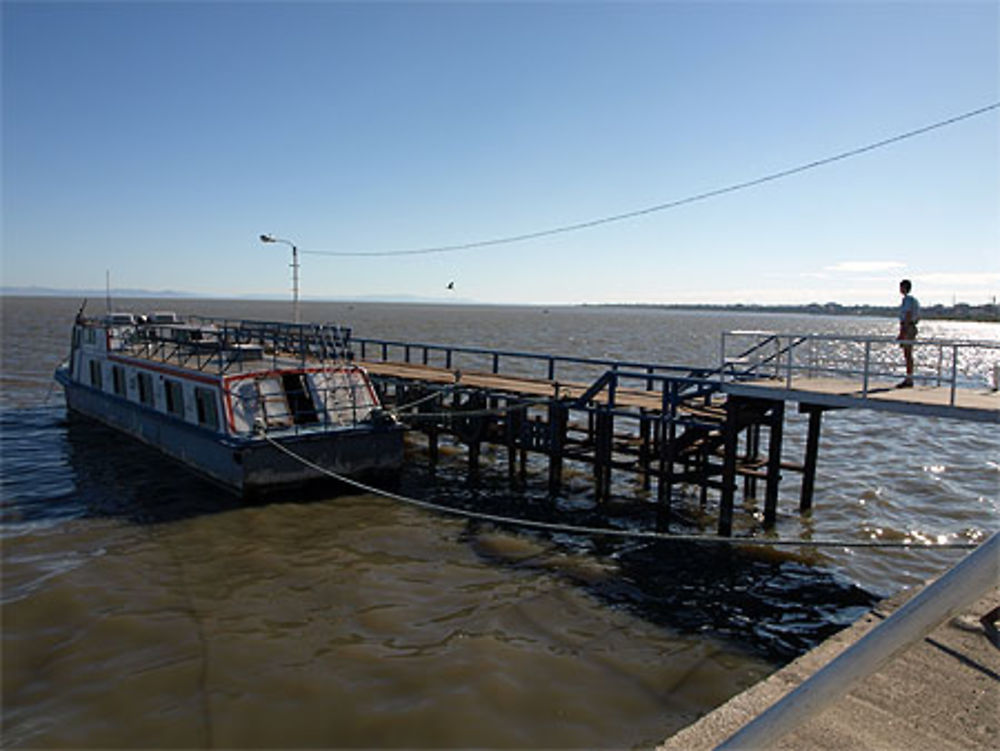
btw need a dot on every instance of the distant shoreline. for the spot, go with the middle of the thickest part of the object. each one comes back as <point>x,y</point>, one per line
<point>986,313</point>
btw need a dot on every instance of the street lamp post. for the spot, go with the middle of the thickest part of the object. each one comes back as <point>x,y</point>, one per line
<point>295,271</point>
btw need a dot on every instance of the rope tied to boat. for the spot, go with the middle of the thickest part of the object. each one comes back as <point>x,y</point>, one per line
<point>606,531</point>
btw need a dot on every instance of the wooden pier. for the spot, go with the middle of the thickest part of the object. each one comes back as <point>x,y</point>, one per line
<point>718,431</point>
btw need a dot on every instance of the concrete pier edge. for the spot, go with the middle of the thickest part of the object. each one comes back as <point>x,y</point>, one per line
<point>941,693</point>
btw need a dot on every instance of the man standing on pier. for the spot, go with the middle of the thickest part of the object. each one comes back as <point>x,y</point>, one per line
<point>909,314</point>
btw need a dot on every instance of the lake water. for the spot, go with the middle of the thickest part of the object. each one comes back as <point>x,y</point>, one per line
<point>143,607</point>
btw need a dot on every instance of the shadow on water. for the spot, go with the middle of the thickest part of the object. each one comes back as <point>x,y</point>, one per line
<point>58,467</point>
<point>781,608</point>
<point>769,603</point>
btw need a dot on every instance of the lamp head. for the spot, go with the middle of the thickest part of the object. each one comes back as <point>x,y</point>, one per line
<point>267,239</point>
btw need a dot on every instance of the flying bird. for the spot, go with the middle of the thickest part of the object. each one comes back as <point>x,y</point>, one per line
<point>451,285</point>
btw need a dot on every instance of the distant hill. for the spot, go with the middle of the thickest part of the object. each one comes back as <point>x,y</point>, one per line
<point>95,293</point>
<point>98,294</point>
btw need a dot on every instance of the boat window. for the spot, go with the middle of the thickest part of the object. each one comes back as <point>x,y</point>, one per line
<point>208,413</point>
<point>300,401</point>
<point>145,383</point>
<point>95,374</point>
<point>163,316</point>
<point>118,379</point>
<point>174,392</point>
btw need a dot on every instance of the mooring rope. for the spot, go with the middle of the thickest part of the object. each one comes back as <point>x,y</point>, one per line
<point>605,531</point>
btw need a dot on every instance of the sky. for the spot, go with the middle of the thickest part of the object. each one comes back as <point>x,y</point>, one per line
<point>157,141</point>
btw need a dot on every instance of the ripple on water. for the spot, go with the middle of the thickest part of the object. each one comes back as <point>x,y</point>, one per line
<point>142,603</point>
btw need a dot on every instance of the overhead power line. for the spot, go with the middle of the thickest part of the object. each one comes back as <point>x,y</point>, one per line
<point>670,204</point>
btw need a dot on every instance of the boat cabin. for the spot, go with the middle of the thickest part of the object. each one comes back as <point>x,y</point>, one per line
<point>236,378</point>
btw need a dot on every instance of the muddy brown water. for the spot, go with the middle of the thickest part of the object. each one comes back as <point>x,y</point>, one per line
<point>144,608</point>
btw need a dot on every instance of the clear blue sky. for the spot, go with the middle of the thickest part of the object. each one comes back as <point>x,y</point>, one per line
<point>158,140</point>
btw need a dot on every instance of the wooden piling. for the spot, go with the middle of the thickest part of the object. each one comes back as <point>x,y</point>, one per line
<point>603,445</point>
<point>676,435</point>
<point>667,430</point>
<point>513,430</point>
<point>474,451</point>
<point>558,414</point>
<point>815,413</point>
<point>751,455</point>
<point>730,432</point>
<point>645,454</point>
<point>432,446</point>
<point>776,429</point>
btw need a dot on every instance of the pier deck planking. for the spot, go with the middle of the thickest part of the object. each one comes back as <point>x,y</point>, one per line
<point>978,405</point>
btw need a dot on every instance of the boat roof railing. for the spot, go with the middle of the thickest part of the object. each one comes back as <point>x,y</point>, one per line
<point>207,343</point>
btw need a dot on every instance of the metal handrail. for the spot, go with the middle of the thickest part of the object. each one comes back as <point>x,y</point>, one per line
<point>383,345</point>
<point>861,338</point>
<point>969,580</point>
<point>786,364</point>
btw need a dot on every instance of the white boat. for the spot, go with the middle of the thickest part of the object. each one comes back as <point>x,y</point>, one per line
<point>226,397</point>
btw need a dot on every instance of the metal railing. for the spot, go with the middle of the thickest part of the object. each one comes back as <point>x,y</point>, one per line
<point>223,345</point>
<point>969,580</point>
<point>520,363</point>
<point>866,360</point>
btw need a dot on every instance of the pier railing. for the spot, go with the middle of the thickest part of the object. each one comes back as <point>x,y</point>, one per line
<point>869,361</point>
<point>511,362</point>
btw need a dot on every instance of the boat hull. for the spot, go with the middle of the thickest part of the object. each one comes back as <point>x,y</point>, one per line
<point>246,466</point>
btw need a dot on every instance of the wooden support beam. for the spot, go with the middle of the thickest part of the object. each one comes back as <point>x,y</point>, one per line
<point>523,443</point>
<point>812,453</point>
<point>598,442</point>
<point>730,434</point>
<point>645,452</point>
<point>474,451</point>
<point>660,436</point>
<point>752,450</point>
<point>609,446</point>
<point>475,427</point>
<point>776,425</point>
<point>558,413</point>
<point>509,437</point>
<point>665,487</point>
<point>603,444</point>
<point>513,424</point>
<point>432,446</point>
